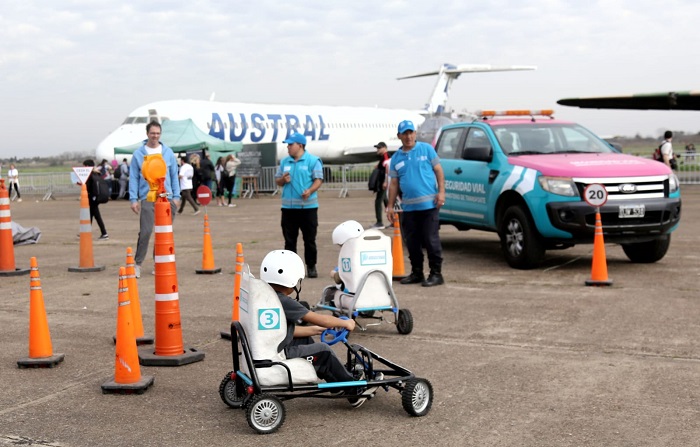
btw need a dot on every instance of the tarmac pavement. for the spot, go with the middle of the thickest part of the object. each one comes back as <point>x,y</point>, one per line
<point>516,358</point>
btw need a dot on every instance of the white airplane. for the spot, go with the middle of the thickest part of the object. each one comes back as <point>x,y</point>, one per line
<point>337,134</point>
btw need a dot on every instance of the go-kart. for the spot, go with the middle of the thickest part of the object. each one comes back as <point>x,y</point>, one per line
<point>262,378</point>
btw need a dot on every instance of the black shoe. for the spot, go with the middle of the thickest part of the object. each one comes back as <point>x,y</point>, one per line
<point>434,279</point>
<point>413,278</point>
<point>311,272</point>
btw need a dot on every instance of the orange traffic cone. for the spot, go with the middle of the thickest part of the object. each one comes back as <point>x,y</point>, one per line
<point>87,264</point>
<point>207,252</point>
<point>7,248</point>
<point>236,288</point>
<point>40,350</point>
<point>399,270</point>
<point>599,269</point>
<point>169,350</point>
<point>133,285</point>
<point>127,372</point>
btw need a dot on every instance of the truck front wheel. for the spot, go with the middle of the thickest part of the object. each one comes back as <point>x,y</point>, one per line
<point>647,252</point>
<point>520,242</point>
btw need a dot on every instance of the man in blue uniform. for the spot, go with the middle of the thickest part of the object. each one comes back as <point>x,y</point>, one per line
<point>415,169</point>
<point>300,175</point>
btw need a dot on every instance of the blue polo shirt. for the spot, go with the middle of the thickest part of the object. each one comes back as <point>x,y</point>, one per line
<point>414,170</point>
<point>303,172</point>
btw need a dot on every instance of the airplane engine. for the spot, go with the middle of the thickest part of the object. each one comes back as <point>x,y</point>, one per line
<point>426,132</point>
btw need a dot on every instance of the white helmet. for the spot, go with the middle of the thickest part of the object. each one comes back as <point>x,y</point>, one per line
<point>283,267</point>
<point>346,231</point>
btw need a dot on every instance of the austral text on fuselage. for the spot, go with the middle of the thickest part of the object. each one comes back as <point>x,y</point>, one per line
<point>260,125</point>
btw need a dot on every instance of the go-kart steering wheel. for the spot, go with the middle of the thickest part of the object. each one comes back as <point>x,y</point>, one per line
<point>338,335</point>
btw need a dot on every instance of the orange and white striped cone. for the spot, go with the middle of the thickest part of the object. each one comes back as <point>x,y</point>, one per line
<point>40,350</point>
<point>398,270</point>
<point>133,285</point>
<point>236,289</point>
<point>127,377</point>
<point>208,265</point>
<point>599,268</point>
<point>87,263</point>
<point>7,247</point>
<point>169,349</point>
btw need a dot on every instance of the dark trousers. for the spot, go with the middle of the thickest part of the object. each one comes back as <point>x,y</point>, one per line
<point>230,184</point>
<point>379,200</point>
<point>16,186</point>
<point>187,197</point>
<point>95,212</point>
<point>325,362</point>
<point>421,229</point>
<point>305,220</point>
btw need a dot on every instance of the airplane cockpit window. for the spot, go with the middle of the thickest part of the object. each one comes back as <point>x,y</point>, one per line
<point>141,120</point>
<point>129,120</point>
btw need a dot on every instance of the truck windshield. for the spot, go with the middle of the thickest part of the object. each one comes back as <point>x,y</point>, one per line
<point>548,138</point>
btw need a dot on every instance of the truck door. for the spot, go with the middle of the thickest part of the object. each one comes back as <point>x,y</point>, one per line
<point>449,149</point>
<point>474,180</point>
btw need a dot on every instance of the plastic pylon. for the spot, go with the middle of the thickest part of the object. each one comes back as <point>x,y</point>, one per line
<point>133,284</point>
<point>169,349</point>
<point>399,271</point>
<point>127,371</point>
<point>7,248</point>
<point>87,263</point>
<point>236,289</point>
<point>599,269</point>
<point>40,348</point>
<point>208,265</point>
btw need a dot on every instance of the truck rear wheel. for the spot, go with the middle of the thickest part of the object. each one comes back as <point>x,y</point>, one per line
<point>647,252</point>
<point>520,242</point>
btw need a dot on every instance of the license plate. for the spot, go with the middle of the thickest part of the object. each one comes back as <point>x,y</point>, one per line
<point>627,211</point>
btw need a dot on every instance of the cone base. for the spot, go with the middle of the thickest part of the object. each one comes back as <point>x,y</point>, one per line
<point>397,277</point>
<point>190,355</point>
<point>15,272</point>
<point>598,282</point>
<point>208,272</point>
<point>40,362</point>
<point>140,341</point>
<point>139,387</point>
<point>97,268</point>
<point>225,335</point>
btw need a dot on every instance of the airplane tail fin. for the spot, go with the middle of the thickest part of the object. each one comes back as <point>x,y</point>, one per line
<point>448,73</point>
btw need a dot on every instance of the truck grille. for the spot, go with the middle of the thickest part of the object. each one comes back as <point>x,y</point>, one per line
<point>629,188</point>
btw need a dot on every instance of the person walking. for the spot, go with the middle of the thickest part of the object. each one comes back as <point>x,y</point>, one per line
<point>186,173</point>
<point>221,176</point>
<point>13,178</point>
<point>381,184</point>
<point>300,175</point>
<point>143,204</point>
<point>415,169</point>
<point>667,150</point>
<point>232,163</point>
<point>90,185</point>
<point>123,177</point>
<point>206,170</point>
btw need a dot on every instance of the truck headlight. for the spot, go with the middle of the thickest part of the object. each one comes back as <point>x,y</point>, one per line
<point>673,183</point>
<point>559,186</point>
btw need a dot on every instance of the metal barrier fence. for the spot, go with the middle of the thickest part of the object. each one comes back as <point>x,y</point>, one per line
<point>340,178</point>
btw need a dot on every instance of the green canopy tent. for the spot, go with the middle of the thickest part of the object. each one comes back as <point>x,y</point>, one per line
<point>183,136</point>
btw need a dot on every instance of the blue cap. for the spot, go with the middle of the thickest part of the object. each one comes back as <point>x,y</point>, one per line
<point>406,125</point>
<point>296,137</point>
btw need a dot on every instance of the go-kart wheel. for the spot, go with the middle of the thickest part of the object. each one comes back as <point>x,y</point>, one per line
<point>227,391</point>
<point>404,321</point>
<point>417,397</point>
<point>338,335</point>
<point>265,413</point>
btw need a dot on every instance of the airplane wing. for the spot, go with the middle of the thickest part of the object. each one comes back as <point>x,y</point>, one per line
<point>688,100</point>
<point>471,68</point>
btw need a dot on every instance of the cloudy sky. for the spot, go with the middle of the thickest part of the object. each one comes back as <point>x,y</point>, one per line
<point>72,70</point>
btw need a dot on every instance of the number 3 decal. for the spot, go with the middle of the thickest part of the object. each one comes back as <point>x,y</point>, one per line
<point>268,319</point>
